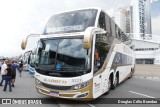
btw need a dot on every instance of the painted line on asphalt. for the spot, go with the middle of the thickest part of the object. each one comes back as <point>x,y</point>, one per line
<point>73,105</point>
<point>148,78</point>
<point>90,105</point>
<point>142,94</point>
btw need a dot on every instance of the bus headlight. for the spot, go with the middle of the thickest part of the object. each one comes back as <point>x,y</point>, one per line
<point>81,85</point>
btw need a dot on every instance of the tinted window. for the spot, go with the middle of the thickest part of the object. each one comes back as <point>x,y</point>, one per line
<point>71,21</point>
<point>64,56</point>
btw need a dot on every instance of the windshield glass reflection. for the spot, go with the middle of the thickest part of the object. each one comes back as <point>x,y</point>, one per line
<point>63,56</point>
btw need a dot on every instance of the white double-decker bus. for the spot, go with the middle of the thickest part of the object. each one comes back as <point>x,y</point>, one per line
<point>82,54</point>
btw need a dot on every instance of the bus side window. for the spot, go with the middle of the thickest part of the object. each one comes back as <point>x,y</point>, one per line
<point>102,22</point>
<point>100,53</point>
<point>96,60</point>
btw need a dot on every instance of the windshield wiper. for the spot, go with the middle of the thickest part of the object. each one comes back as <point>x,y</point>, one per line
<point>45,67</point>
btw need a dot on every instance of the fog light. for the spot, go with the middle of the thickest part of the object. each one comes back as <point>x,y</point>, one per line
<point>82,95</point>
<point>38,82</point>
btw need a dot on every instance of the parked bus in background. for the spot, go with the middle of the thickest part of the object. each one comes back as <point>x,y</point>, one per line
<point>28,61</point>
<point>82,54</point>
<point>25,60</point>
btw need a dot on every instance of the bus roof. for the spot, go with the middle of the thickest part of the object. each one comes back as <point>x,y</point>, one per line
<point>99,9</point>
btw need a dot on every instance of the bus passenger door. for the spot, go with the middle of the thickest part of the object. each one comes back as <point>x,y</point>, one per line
<point>97,83</point>
<point>97,79</point>
<point>100,70</point>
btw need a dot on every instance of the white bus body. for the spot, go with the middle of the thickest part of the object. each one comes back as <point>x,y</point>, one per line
<point>82,61</point>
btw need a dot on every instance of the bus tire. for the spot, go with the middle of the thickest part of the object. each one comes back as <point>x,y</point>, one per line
<point>109,86</point>
<point>131,74</point>
<point>115,83</point>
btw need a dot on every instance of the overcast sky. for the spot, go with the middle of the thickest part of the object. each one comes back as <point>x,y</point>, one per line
<point>18,18</point>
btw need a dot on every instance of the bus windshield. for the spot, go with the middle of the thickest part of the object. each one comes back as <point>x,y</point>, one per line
<point>75,21</point>
<point>63,57</point>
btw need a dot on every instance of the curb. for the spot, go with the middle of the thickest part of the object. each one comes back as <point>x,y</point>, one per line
<point>154,78</point>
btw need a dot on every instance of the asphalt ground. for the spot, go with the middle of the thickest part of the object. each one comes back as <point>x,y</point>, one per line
<point>137,87</point>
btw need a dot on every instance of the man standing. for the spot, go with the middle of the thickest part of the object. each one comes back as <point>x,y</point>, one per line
<point>14,68</point>
<point>20,68</point>
<point>0,65</point>
<point>3,68</point>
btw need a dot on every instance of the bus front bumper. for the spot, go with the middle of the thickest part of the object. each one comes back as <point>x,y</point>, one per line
<point>83,94</point>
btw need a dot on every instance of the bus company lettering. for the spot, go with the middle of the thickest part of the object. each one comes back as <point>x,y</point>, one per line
<point>76,80</point>
<point>55,81</point>
<point>97,87</point>
<point>65,28</point>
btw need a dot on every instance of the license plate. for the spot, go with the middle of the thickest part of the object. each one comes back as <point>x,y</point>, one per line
<point>54,94</point>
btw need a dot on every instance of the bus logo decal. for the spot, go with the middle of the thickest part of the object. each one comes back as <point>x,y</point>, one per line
<point>58,67</point>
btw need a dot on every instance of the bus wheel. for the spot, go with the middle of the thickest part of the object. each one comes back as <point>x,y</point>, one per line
<point>131,74</point>
<point>115,83</point>
<point>109,86</point>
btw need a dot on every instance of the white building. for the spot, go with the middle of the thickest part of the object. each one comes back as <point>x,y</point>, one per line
<point>122,17</point>
<point>138,22</point>
<point>145,51</point>
<point>157,57</point>
<point>141,15</point>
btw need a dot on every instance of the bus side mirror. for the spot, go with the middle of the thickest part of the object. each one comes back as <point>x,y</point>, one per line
<point>24,43</point>
<point>87,42</point>
<point>87,38</point>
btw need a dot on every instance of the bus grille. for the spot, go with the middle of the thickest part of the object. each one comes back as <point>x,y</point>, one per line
<point>55,87</point>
